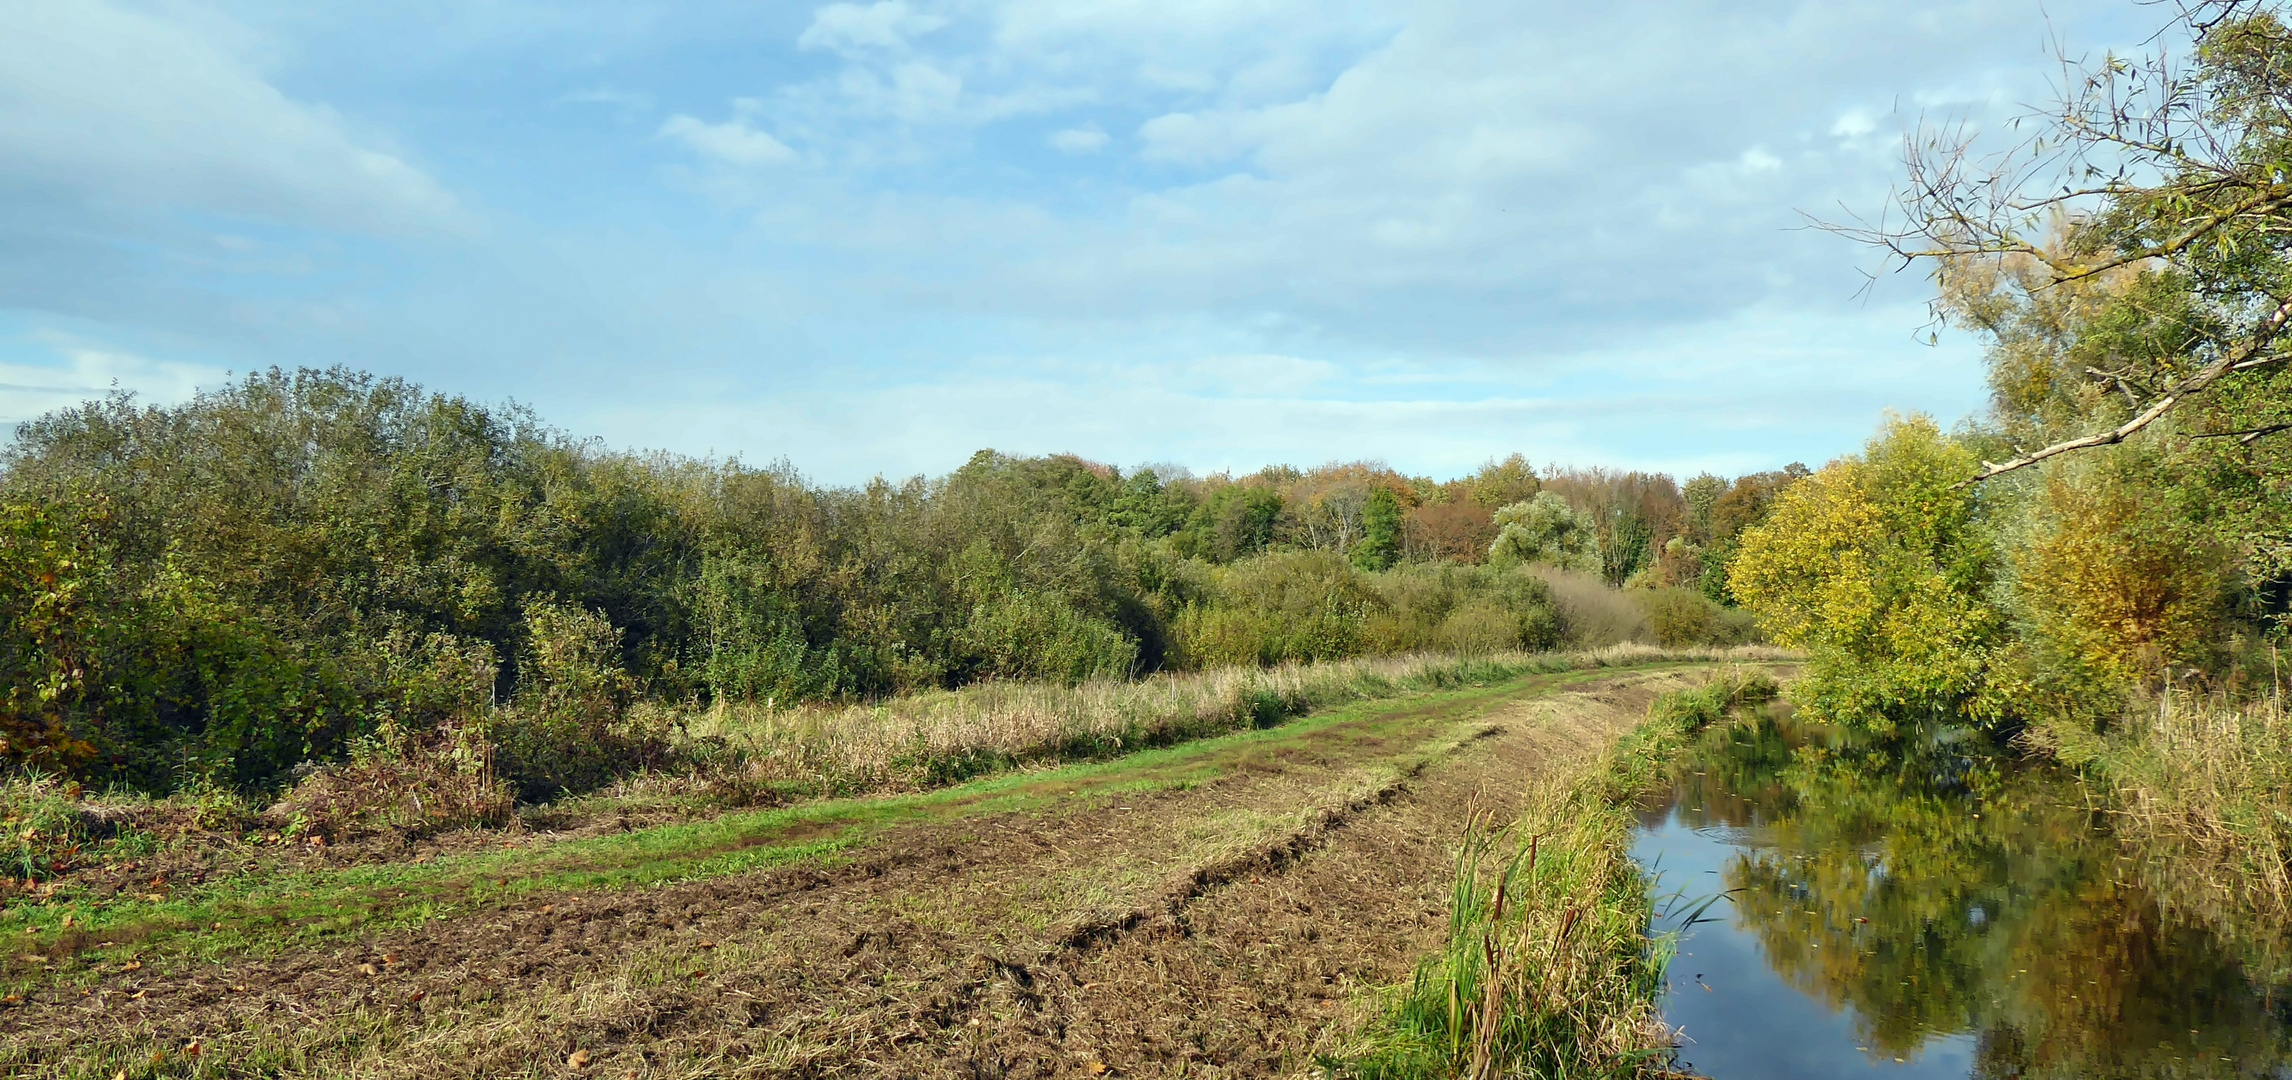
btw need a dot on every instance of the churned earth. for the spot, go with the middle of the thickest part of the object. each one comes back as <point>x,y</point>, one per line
<point>1226,908</point>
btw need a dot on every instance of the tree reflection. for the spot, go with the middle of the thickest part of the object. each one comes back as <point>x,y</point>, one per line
<point>1937,886</point>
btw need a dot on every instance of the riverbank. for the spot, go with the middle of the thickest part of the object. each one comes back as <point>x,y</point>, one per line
<point>1547,968</point>
<point>1933,904</point>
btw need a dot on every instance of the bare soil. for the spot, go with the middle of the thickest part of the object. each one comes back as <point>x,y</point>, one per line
<point>1237,926</point>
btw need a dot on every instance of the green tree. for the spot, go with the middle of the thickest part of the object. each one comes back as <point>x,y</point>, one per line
<point>1879,567</point>
<point>1380,544</point>
<point>1547,530</point>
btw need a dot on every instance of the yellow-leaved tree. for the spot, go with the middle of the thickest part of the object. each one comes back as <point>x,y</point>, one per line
<point>1879,567</point>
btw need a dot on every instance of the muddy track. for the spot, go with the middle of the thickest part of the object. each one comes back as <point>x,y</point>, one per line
<point>1235,927</point>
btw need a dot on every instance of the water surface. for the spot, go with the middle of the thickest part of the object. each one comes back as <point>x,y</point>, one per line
<point>1927,907</point>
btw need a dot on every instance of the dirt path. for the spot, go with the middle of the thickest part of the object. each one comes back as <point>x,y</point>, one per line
<point>1221,910</point>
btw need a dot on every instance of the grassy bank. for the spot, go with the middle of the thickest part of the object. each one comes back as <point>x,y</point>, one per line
<point>1548,971</point>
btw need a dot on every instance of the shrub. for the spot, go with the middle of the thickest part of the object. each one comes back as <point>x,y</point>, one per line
<point>2120,585</point>
<point>1464,609</point>
<point>1030,635</point>
<point>570,726</point>
<point>395,783</point>
<point>1594,614</point>
<point>1680,617</point>
<point>1282,607</point>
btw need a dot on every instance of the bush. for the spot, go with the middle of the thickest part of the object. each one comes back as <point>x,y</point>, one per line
<point>1679,617</point>
<point>396,784</point>
<point>1282,607</point>
<point>1464,609</point>
<point>1028,635</point>
<point>1593,613</point>
<point>570,728</point>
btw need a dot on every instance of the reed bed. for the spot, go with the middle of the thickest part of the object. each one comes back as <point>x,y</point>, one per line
<point>932,739</point>
<point>2204,790</point>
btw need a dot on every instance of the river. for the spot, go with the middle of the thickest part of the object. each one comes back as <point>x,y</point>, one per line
<point>1927,907</point>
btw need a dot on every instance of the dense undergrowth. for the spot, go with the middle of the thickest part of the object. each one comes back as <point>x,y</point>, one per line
<point>1549,971</point>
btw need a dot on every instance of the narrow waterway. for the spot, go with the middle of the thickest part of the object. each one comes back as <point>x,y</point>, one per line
<point>1925,908</point>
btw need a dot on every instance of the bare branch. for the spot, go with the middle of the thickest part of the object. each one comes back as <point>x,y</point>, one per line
<point>2248,436</point>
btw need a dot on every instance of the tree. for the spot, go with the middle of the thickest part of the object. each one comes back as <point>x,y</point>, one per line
<point>1380,542</point>
<point>1547,530</point>
<point>1878,567</point>
<point>2175,174</point>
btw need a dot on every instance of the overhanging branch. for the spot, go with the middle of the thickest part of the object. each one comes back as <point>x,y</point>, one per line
<point>2243,357</point>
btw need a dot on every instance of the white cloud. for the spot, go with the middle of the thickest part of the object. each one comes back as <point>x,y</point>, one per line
<point>86,371</point>
<point>103,104</point>
<point>853,28</point>
<point>1080,140</point>
<point>730,143</point>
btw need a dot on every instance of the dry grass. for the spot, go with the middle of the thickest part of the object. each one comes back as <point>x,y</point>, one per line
<point>2205,787</point>
<point>759,753</point>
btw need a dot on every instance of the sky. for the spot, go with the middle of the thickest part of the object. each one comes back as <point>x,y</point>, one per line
<point>872,238</point>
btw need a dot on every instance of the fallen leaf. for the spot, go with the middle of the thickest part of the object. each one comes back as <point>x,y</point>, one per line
<point>138,995</point>
<point>238,989</point>
<point>1096,1068</point>
<point>548,909</point>
<point>707,944</point>
<point>12,999</point>
<point>191,1050</point>
<point>132,965</point>
<point>578,1059</point>
<point>415,996</point>
<point>367,969</point>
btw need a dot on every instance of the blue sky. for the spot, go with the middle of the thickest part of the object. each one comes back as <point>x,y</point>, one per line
<point>872,238</point>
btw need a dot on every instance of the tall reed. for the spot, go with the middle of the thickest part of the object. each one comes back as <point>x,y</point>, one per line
<point>2203,792</point>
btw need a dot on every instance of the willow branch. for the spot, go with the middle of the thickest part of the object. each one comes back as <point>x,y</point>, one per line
<point>2239,358</point>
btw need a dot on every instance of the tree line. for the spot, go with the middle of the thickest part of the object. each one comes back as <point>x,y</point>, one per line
<point>279,568</point>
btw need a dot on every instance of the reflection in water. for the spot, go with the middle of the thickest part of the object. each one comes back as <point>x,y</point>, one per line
<point>1928,907</point>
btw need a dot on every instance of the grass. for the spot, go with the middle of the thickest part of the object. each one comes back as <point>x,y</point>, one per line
<point>256,914</point>
<point>1548,970</point>
<point>930,740</point>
